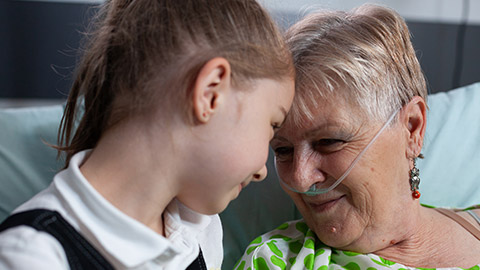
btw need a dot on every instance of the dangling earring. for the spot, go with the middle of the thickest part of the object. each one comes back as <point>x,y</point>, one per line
<point>415,180</point>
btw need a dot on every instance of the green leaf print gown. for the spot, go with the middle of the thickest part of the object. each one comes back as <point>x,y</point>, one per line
<point>294,246</point>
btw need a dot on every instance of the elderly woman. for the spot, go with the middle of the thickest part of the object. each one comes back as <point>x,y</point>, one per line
<point>346,155</point>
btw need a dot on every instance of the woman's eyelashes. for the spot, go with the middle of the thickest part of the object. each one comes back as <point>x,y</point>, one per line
<point>283,152</point>
<point>328,145</point>
<point>322,146</point>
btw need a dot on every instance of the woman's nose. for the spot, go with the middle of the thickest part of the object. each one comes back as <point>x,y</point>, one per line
<point>305,171</point>
<point>261,174</point>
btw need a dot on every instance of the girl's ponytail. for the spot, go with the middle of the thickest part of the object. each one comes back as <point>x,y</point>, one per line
<point>90,98</point>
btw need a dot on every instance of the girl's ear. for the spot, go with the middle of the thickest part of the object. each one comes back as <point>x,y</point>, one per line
<point>212,83</point>
<point>415,122</point>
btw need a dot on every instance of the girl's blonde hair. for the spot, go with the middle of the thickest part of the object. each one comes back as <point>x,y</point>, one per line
<point>146,54</point>
<point>364,55</point>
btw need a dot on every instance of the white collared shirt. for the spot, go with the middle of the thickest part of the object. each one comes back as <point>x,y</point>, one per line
<point>122,240</point>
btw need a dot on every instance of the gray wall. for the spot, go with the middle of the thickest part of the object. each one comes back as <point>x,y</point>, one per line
<point>443,58</point>
<point>38,47</point>
<point>39,41</point>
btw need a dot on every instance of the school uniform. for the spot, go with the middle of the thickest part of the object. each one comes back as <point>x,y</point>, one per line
<point>123,241</point>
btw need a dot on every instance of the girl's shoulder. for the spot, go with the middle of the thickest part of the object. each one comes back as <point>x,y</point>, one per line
<point>22,247</point>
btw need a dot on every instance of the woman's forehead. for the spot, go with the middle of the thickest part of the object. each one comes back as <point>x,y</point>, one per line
<point>326,118</point>
<point>333,109</point>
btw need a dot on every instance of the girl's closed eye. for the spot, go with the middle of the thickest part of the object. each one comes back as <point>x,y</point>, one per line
<point>275,126</point>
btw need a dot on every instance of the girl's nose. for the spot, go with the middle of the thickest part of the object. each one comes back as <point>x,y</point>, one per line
<point>261,174</point>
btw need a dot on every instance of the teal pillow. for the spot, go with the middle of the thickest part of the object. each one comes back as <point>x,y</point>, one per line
<point>27,163</point>
<point>450,174</point>
<point>450,171</point>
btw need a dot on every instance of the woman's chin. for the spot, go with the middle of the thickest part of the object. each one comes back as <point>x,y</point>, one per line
<point>334,241</point>
<point>335,235</point>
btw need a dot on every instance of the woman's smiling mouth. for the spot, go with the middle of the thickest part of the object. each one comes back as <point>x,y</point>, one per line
<point>324,205</point>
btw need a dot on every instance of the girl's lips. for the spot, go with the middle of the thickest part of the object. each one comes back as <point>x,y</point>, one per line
<point>325,205</point>
<point>243,185</point>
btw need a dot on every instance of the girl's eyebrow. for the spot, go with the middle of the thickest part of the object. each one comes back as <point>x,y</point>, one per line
<point>284,112</point>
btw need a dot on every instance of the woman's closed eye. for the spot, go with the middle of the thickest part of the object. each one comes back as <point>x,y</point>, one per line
<point>323,146</point>
<point>328,145</point>
<point>283,152</point>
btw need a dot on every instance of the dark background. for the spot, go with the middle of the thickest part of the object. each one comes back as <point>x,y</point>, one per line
<point>39,48</point>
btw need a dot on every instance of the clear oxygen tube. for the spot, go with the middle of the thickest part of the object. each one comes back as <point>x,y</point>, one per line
<point>314,189</point>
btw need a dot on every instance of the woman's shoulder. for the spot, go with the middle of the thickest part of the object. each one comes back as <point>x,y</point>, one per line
<point>293,245</point>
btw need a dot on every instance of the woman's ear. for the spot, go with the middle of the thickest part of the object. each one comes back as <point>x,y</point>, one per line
<point>212,83</point>
<point>415,122</point>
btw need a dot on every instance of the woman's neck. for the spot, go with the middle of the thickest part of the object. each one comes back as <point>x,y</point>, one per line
<point>435,242</point>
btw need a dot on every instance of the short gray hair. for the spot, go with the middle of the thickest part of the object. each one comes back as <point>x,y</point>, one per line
<point>364,55</point>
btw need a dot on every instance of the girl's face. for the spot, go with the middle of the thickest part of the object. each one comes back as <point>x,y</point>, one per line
<point>233,147</point>
<point>364,205</point>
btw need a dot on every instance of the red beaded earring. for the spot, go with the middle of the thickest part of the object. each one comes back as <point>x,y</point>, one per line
<point>415,180</point>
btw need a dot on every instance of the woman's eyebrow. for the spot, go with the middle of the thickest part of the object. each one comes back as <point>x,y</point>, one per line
<point>314,132</point>
<point>278,138</point>
<point>332,129</point>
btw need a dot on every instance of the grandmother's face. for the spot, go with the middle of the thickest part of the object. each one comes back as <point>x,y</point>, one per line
<point>366,202</point>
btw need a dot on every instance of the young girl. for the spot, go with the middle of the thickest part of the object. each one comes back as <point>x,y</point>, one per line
<point>180,101</point>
